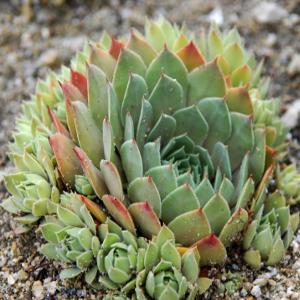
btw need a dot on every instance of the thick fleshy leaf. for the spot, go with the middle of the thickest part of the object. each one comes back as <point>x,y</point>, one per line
<point>80,81</point>
<point>216,114</point>
<point>72,93</point>
<point>234,54</point>
<point>97,94</point>
<point>220,159</point>
<point>172,203</point>
<point>217,218</point>
<point>58,124</point>
<point>69,217</point>
<point>154,35</point>
<point>233,227</point>
<point>169,253</point>
<point>131,160</point>
<point>96,210</point>
<point>115,48</point>
<point>164,179</point>
<point>93,174</point>
<point>144,189</point>
<point>112,179</point>
<point>69,273</point>
<point>206,81</point>
<point>172,66</point>
<point>127,61</point>
<point>151,156</point>
<point>181,42</point>
<point>167,96</point>
<point>241,76</point>
<point>103,60</point>
<point>191,56</point>
<point>277,253</point>
<point>211,251</point>
<point>87,130</point>
<point>135,91</point>
<point>245,194</point>
<point>163,129</point>
<point>141,47</point>
<point>144,124</point>
<point>263,243</point>
<point>119,212</point>
<point>239,100</point>
<point>204,191</point>
<point>258,155</point>
<point>68,163</point>
<point>253,259</point>
<point>189,120</point>
<point>241,139</point>
<point>215,45</point>
<point>190,227</point>
<point>145,219</point>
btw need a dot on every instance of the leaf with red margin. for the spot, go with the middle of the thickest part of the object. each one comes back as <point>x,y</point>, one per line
<point>145,219</point>
<point>80,81</point>
<point>119,212</point>
<point>211,251</point>
<point>70,120</point>
<point>189,227</point>
<point>72,93</point>
<point>270,157</point>
<point>238,99</point>
<point>115,48</point>
<point>68,162</point>
<point>93,174</point>
<point>103,60</point>
<point>58,125</point>
<point>97,210</point>
<point>191,56</point>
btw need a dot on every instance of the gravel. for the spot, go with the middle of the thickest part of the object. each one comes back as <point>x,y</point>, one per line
<point>35,35</point>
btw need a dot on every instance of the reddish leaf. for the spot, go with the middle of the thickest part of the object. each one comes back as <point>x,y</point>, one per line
<point>80,81</point>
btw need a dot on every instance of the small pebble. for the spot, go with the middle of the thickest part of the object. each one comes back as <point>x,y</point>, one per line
<point>22,275</point>
<point>256,292</point>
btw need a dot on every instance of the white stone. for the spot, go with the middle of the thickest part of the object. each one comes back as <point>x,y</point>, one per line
<point>37,289</point>
<point>11,280</point>
<point>269,13</point>
<point>50,287</point>
<point>294,66</point>
<point>290,118</point>
<point>256,292</point>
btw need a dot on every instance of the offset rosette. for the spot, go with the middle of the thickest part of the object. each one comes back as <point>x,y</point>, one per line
<point>160,133</point>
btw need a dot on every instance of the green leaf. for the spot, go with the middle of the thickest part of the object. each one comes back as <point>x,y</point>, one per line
<point>216,114</point>
<point>164,179</point>
<point>189,120</point>
<point>97,94</point>
<point>217,218</point>
<point>241,139</point>
<point>141,47</point>
<point>167,96</point>
<point>258,155</point>
<point>172,205</point>
<point>145,219</point>
<point>172,66</point>
<point>135,91</point>
<point>164,129</point>
<point>144,189</point>
<point>131,160</point>
<point>69,273</point>
<point>151,156</point>
<point>206,81</point>
<point>190,227</point>
<point>127,61</point>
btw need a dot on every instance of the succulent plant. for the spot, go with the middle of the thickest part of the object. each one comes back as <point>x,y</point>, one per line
<point>154,136</point>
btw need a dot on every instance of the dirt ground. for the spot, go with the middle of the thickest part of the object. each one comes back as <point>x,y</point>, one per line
<point>37,35</point>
